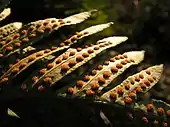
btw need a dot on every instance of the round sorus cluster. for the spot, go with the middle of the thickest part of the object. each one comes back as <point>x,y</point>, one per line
<point>128,100</point>
<point>137,78</point>
<point>94,72</point>
<point>72,53</point>
<point>15,70</point>
<point>50,65</point>
<point>90,51</point>
<point>138,90</point>
<point>86,78</point>
<point>47,79</point>
<point>90,92</point>
<point>106,63</point>
<point>80,83</point>
<point>168,113</point>
<point>143,86</point>
<point>114,69</point>
<point>41,53</point>
<point>94,85</point>
<point>120,91</point>
<point>99,67</point>
<point>79,49</point>
<point>113,95</point>
<point>65,56</point>
<point>126,85</point>
<point>65,67</point>
<point>101,80</point>
<point>79,58</point>
<point>85,54</point>
<point>58,60</point>
<point>119,66</point>
<point>106,74</point>
<point>132,95</point>
<point>70,90</point>
<point>160,111</point>
<point>72,63</point>
<point>43,71</point>
<point>150,108</point>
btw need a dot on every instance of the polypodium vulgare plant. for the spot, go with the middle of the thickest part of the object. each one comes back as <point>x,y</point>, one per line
<point>96,86</point>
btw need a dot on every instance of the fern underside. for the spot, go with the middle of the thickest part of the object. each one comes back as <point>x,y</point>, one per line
<point>15,39</point>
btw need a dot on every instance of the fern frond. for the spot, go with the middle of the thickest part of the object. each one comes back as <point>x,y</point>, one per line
<point>28,61</point>
<point>160,103</point>
<point>15,38</point>
<point>105,74</point>
<point>134,86</point>
<point>9,29</point>
<point>156,112</point>
<point>70,60</point>
<point>35,31</point>
<point>6,12</point>
<point>78,18</point>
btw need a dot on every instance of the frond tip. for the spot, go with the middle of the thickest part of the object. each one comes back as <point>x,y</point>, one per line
<point>137,56</point>
<point>17,25</point>
<point>6,12</point>
<point>134,86</point>
<point>9,29</point>
<point>114,38</point>
<point>77,18</point>
<point>95,28</point>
